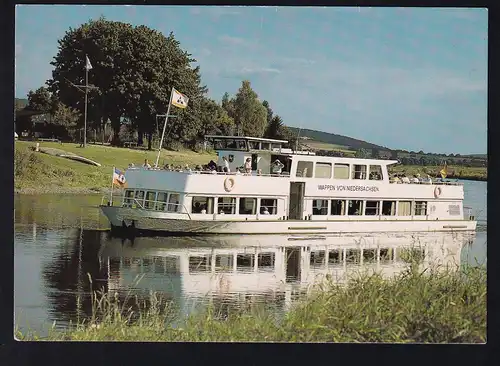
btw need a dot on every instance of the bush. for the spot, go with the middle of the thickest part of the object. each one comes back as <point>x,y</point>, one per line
<point>26,162</point>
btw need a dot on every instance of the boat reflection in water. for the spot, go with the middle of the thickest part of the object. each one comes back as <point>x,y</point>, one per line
<point>264,269</point>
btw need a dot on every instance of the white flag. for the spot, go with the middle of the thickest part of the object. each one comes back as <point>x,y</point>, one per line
<point>88,65</point>
<point>179,99</point>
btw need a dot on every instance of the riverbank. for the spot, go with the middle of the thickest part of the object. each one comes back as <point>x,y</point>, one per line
<point>413,307</point>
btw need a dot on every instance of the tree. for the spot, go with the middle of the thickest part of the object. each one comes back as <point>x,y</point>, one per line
<point>269,111</point>
<point>250,116</point>
<point>277,130</point>
<point>41,100</point>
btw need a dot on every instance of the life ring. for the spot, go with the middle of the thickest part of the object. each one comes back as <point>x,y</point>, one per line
<point>437,192</point>
<point>229,184</point>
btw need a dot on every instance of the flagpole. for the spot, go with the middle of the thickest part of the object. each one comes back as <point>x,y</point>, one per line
<point>86,97</point>
<point>112,186</point>
<point>164,126</point>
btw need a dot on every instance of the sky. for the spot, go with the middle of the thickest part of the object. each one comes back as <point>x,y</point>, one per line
<point>404,78</point>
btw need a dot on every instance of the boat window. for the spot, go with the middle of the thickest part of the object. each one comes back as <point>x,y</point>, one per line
<point>161,201</point>
<point>271,204</point>
<point>202,205</point>
<point>245,262</point>
<point>454,210</point>
<point>265,261</point>
<point>386,255</point>
<point>420,208</point>
<point>353,256</point>
<point>224,262</point>
<point>149,202</point>
<point>388,208</point>
<point>323,170</point>
<point>242,145</point>
<point>173,202</point>
<point>129,198</point>
<point>341,171</point>
<point>320,207</point>
<point>404,208</point>
<point>317,258</point>
<point>335,256</point>
<point>337,207</point>
<point>275,146</point>
<point>265,146</point>
<point>304,169</point>
<point>355,207</point>
<point>248,206</point>
<point>200,264</point>
<point>220,144</point>
<point>372,208</point>
<point>139,198</point>
<point>254,145</point>
<point>369,255</point>
<point>226,205</point>
<point>358,171</point>
<point>376,172</point>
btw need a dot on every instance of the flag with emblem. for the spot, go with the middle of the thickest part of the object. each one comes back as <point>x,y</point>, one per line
<point>179,99</point>
<point>88,65</point>
<point>119,178</point>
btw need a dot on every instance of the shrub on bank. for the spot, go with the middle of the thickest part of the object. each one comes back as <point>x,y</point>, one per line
<point>415,306</point>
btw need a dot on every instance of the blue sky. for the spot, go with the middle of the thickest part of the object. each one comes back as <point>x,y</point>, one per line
<point>411,78</point>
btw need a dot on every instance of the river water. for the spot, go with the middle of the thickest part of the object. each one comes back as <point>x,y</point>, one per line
<point>61,240</point>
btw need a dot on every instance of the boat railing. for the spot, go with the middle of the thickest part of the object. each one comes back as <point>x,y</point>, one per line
<point>214,172</point>
<point>438,183</point>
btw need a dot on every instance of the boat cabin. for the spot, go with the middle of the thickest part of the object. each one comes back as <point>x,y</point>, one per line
<point>262,153</point>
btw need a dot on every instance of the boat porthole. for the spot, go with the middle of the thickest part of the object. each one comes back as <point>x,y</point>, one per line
<point>228,184</point>
<point>437,192</point>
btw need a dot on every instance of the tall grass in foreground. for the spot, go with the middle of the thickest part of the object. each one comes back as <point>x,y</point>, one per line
<point>415,306</point>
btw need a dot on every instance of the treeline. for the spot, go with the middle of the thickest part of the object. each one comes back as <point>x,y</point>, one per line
<point>133,71</point>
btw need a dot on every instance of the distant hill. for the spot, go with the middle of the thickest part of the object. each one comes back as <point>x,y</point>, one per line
<point>334,139</point>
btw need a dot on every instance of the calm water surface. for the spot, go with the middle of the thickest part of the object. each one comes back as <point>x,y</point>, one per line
<point>60,239</point>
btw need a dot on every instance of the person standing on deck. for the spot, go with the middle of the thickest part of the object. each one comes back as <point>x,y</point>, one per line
<point>277,167</point>
<point>248,166</point>
<point>225,165</point>
<point>146,164</point>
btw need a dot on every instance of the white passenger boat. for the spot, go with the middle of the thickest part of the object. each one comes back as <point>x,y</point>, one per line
<point>306,194</point>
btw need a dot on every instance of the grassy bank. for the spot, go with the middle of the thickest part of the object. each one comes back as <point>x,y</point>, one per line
<point>423,307</point>
<point>42,173</point>
<point>454,172</point>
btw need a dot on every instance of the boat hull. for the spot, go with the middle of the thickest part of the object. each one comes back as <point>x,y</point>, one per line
<point>139,220</point>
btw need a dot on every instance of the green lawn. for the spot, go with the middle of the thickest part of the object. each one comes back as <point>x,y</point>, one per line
<point>42,171</point>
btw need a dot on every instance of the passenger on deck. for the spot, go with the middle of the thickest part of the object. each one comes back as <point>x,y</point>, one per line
<point>248,166</point>
<point>395,179</point>
<point>405,179</point>
<point>225,167</point>
<point>277,167</point>
<point>415,179</point>
<point>259,171</point>
<point>265,211</point>
<point>146,164</point>
<point>197,207</point>
<point>212,165</point>
<point>187,168</point>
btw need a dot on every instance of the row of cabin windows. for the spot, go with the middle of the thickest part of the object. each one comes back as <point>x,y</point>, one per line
<point>152,200</point>
<point>339,170</point>
<point>371,208</point>
<point>241,144</point>
<point>227,205</point>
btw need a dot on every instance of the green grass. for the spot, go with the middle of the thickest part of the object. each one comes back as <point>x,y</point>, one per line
<point>42,172</point>
<point>433,306</point>
<point>454,172</point>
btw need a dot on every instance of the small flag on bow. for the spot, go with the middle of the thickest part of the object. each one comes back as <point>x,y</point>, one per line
<point>179,99</point>
<point>119,178</point>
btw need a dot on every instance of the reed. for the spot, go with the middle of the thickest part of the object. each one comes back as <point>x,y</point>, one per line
<point>416,306</point>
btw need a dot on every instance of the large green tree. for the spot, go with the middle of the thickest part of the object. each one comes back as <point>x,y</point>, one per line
<point>249,115</point>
